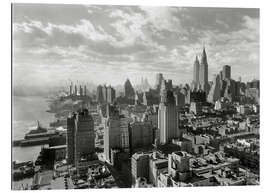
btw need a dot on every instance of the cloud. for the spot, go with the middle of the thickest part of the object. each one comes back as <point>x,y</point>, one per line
<point>114,42</point>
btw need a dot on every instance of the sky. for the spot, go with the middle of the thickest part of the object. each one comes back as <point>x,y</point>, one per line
<point>54,44</point>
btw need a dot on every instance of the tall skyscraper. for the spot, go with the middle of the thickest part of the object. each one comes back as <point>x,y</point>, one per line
<point>179,98</point>
<point>113,138</point>
<point>215,91</point>
<point>196,72</point>
<point>159,78</point>
<point>129,90</point>
<point>110,94</point>
<point>84,135</point>
<point>71,89</point>
<point>100,98</point>
<point>204,72</point>
<point>80,136</point>
<point>167,117</point>
<point>81,91</point>
<point>70,139</point>
<point>85,90</point>
<point>226,72</point>
<point>105,94</point>
<point>75,90</point>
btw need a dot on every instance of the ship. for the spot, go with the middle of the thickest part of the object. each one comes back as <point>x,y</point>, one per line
<point>39,132</point>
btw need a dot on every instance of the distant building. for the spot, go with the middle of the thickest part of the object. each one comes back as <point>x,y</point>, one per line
<point>75,92</point>
<point>226,72</point>
<point>100,98</point>
<point>204,72</point>
<point>159,78</point>
<point>196,108</point>
<point>179,99</point>
<point>214,93</point>
<point>197,96</point>
<point>105,94</point>
<point>254,84</point>
<point>110,94</point>
<point>196,73</point>
<point>129,90</point>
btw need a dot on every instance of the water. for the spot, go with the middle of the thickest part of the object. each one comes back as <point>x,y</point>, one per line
<point>26,112</point>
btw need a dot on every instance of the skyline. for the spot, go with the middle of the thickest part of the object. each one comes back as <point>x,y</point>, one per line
<point>86,43</point>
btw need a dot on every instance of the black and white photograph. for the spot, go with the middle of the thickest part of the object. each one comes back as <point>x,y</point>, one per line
<point>134,96</point>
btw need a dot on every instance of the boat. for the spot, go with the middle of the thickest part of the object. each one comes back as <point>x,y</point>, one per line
<point>39,132</point>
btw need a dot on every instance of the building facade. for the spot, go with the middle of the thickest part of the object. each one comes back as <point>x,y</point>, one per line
<point>167,117</point>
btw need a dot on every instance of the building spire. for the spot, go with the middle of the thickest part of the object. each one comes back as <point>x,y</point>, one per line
<point>203,57</point>
<point>196,59</point>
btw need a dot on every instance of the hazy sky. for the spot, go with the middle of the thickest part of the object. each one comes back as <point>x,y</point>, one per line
<point>107,44</point>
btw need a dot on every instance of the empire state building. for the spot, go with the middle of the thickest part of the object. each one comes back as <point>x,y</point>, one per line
<point>203,76</point>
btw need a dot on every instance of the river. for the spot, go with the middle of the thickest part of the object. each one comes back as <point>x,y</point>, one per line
<point>26,111</point>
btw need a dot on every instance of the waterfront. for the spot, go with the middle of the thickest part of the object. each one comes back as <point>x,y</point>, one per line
<point>26,111</point>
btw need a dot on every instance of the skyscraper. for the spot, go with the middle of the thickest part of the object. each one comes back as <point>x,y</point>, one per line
<point>75,90</point>
<point>215,91</point>
<point>167,117</point>
<point>104,93</point>
<point>226,72</point>
<point>85,90</point>
<point>196,72</point>
<point>140,135</point>
<point>80,136</point>
<point>139,166</point>
<point>204,72</point>
<point>100,98</point>
<point>70,138</point>
<point>81,90</point>
<point>159,78</point>
<point>112,132</point>
<point>110,94</point>
<point>129,90</point>
<point>84,135</point>
<point>71,89</point>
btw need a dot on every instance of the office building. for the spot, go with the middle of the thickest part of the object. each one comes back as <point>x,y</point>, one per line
<point>84,135</point>
<point>196,73</point>
<point>115,131</point>
<point>140,135</point>
<point>196,108</point>
<point>80,136</point>
<point>214,93</point>
<point>110,94</point>
<point>226,72</point>
<point>129,90</point>
<point>105,94</point>
<point>204,72</point>
<point>139,166</point>
<point>167,116</point>
<point>159,78</point>
<point>100,98</point>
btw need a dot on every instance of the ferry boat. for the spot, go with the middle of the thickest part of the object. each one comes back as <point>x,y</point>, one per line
<point>39,132</point>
